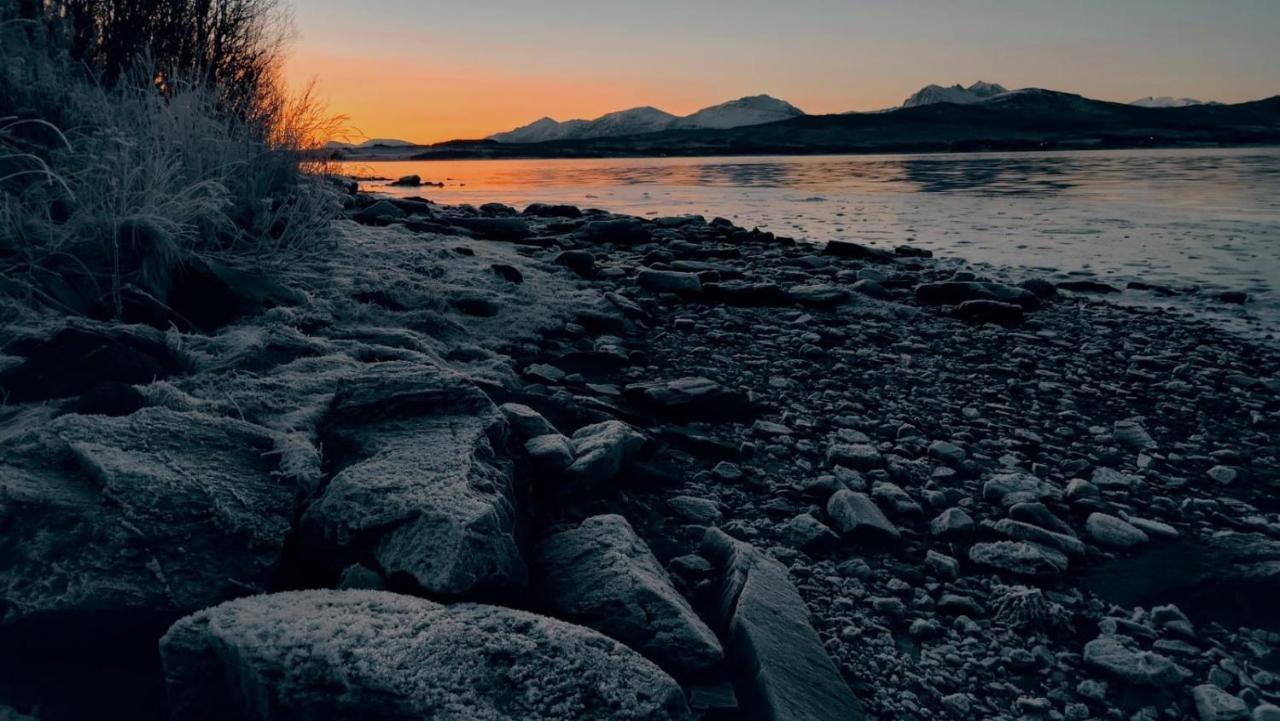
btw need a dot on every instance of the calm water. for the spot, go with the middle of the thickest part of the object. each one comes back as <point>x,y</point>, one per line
<point>1181,218</point>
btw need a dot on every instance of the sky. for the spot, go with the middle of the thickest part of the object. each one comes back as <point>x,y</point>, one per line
<point>428,70</point>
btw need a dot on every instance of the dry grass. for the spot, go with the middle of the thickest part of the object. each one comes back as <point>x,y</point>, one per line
<point>106,188</point>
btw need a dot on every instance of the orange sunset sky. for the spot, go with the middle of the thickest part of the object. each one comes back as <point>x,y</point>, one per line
<point>430,71</point>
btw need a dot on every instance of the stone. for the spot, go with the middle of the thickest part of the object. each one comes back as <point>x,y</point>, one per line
<point>619,231</point>
<point>601,450</point>
<point>1225,475</point>
<point>602,576</point>
<point>1131,436</point>
<point>1104,477</point>
<point>418,485</point>
<point>1007,489</point>
<point>691,398</point>
<point>698,510</point>
<point>1020,531</point>
<point>579,261</point>
<point>948,453</point>
<point>871,289</point>
<point>818,295</point>
<point>509,273</point>
<point>990,311</point>
<point>379,213</point>
<point>550,453</point>
<point>546,210</point>
<point>669,281</point>
<point>159,512</point>
<point>808,533</point>
<point>378,655</point>
<point>1108,655</point>
<point>504,229</point>
<point>942,565</point>
<point>1040,287</point>
<point>1107,530</point>
<point>857,251</point>
<point>526,422</point>
<point>953,292</point>
<point>952,523</point>
<point>855,515</point>
<point>408,181</point>
<point>1020,558</point>
<point>1266,712</point>
<point>785,672</point>
<point>858,456</point>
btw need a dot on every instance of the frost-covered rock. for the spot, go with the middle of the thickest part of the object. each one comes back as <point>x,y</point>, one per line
<point>1109,655</point>
<point>156,512</point>
<point>420,488</point>
<point>1019,558</point>
<point>600,452</point>
<point>787,674</point>
<point>378,655</point>
<point>603,576</point>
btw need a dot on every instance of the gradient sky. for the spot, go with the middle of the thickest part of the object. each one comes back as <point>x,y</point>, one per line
<point>426,70</point>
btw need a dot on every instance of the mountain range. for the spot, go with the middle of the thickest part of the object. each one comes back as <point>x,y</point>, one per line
<point>1166,101</point>
<point>754,110</point>
<point>981,117</point>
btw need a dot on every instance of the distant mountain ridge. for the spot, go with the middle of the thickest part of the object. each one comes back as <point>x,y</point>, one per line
<point>1167,101</point>
<point>957,94</point>
<point>753,110</point>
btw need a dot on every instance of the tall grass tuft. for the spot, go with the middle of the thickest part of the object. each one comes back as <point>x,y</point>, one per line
<point>108,187</point>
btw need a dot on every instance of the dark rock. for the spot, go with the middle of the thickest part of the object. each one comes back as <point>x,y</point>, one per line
<point>601,451</point>
<point>109,399</point>
<point>497,210</point>
<point>377,655</point>
<point>579,261</point>
<point>379,213</point>
<point>508,273</point>
<point>1041,287</point>
<point>990,311</point>
<point>857,516</point>
<point>911,251</point>
<point>857,251</point>
<point>83,355</point>
<point>1109,655</point>
<point>955,292</point>
<point>1020,558</point>
<point>508,229</point>
<point>742,293</point>
<point>819,295</point>
<point>691,399</point>
<point>669,281</point>
<point>601,575</point>
<point>476,304</point>
<point>785,672</point>
<point>871,289</point>
<point>620,231</point>
<point>408,181</point>
<point>1087,286</point>
<point>1235,297</point>
<point>417,485</point>
<point>544,210</point>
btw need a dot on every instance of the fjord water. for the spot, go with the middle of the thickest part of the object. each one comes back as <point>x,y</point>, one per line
<point>1207,219</point>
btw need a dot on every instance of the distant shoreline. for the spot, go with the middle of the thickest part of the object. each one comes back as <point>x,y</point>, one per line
<point>442,157</point>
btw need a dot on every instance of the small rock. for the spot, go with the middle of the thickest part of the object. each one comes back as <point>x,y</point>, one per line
<point>856,515</point>
<point>1214,704</point>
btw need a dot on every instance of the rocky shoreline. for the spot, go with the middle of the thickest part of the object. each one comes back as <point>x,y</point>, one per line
<point>563,464</point>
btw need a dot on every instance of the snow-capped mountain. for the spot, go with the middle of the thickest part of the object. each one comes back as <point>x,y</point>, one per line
<point>1166,101</point>
<point>753,110</point>
<point>958,94</point>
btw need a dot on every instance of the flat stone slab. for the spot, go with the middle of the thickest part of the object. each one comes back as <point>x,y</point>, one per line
<point>603,576</point>
<point>158,512</point>
<point>420,489</point>
<point>785,672</point>
<point>378,655</point>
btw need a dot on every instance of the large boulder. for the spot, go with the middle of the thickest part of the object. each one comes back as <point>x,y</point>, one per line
<point>603,576</point>
<point>419,486</point>
<point>1021,558</point>
<point>1110,655</point>
<point>785,672</point>
<point>509,229</point>
<point>377,655</point>
<point>156,513</point>
<point>621,231</point>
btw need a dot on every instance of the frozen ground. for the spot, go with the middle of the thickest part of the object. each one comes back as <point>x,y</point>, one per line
<point>1203,219</point>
